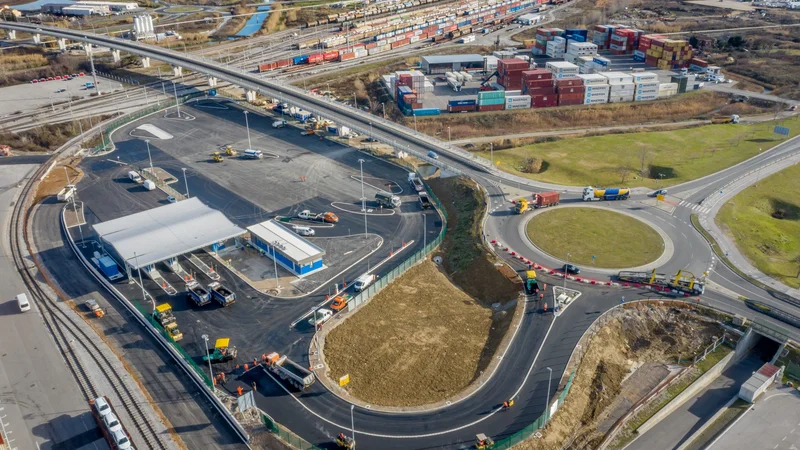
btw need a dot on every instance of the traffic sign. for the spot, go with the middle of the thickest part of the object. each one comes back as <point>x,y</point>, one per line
<point>660,197</point>
<point>344,380</point>
<point>784,131</point>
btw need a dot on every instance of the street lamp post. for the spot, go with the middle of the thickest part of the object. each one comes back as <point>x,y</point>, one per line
<point>185,181</point>
<point>275,263</point>
<point>247,124</point>
<point>383,106</point>
<point>566,263</point>
<point>147,142</point>
<point>352,423</point>
<point>547,402</point>
<point>67,174</point>
<point>141,284</point>
<point>208,357</point>
<point>177,105</point>
<point>491,152</point>
<point>448,134</point>
<point>363,198</point>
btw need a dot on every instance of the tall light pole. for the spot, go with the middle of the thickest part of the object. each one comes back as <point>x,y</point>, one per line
<point>247,124</point>
<point>177,106</point>
<point>547,402</point>
<point>566,264</point>
<point>152,172</point>
<point>491,152</point>
<point>448,134</point>
<point>363,198</point>
<point>383,106</point>
<point>185,181</point>
<point>352,424</point>
<point>275,263</point>
<point>139,269</point>
<point>208,357</point>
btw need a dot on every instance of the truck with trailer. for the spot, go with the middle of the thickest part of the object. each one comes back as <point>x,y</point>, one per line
<point>424,200</point>
<point>521,205</point>
<point>327,217</point>
<point>66,193</point>
<point>197,293</point>
<point>387,200</point>
<point>545,199</point>
<point>113,432</point>
<point>683,282</point>
<point>595,194</point>
<point>415,182</point>
<point>289,371</point>
<point>221,294</point>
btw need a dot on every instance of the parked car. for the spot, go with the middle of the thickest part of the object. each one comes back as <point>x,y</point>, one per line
<point>34,81</point>
<point>571,269</point>
<point>432,154</point>
<point>112,423</point>
<point>172,199</point>
<point>102,406</point>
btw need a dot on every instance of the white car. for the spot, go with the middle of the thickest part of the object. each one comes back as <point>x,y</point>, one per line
<point>304,231</point>
<point>121,440</point>
<point>112,423</point>
<point>322,315</point>
<point>172,199</point>
<point>102,406</point>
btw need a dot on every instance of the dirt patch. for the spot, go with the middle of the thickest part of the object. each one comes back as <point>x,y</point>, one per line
<point>418,341</point>
<point>57,179</point>
<point>468,262</point>
<point>609,358</point>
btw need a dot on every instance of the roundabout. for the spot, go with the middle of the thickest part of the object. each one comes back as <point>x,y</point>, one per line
<point>597,237</point>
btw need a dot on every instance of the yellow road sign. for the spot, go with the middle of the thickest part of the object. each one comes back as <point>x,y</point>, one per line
<point>344,380</point>
<point>660,197</point>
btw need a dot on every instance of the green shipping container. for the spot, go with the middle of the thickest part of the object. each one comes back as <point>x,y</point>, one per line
<point>491,101</point>
<point>491,94</point>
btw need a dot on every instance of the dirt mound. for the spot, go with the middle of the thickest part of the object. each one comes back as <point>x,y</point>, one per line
<point>632,336</point>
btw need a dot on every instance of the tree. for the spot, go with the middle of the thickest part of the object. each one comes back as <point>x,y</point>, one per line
<point>735,41</point>
<point>624,172</point>
<point>644,159</point>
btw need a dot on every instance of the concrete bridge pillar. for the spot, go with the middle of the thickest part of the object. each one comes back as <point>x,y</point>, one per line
<point>212,82</point>
<point>37,38</point>
<point>251,96</point>
<point>145,62</point>
<point>62,44</point>
<point>12,34</point>
<point>115,55</point>
<point>87,48</point>
<point>177,71</point>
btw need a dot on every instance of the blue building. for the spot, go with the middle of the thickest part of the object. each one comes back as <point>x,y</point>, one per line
<point>286,247</point>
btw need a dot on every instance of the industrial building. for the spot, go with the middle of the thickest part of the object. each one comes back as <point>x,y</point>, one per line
<point>141,240</point>
<point>88,8</point>
<point>451,63</point>
<point>287,248</point>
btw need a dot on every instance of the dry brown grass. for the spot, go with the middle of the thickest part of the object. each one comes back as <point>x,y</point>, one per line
<point>21,62</point>
<point>417,342</point>
<point>683,107</point>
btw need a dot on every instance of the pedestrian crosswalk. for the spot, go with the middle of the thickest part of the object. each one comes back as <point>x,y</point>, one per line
<point>694,206</point>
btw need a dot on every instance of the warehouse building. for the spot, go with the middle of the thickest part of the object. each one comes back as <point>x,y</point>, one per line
<point>88,8</point>
<point>288,249</point>
<point>451,63</point>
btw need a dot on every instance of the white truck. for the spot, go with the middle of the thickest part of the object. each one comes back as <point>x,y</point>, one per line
<point>415,182</point>
<point>66,193</point>
<point>387,200</point>
<point>134,176</point>
<point>289,371</point>
<point>279,124</point>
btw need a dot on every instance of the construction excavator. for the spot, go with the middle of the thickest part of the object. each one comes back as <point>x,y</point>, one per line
<point>217,157</point>
<point>483,442</point>
<point>230,151</point>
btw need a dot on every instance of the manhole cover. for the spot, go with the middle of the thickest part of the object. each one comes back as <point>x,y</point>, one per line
<point>437,259</point>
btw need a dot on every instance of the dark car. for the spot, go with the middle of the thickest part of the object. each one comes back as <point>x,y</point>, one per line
<point>657,193</point>
<point>571,269</point>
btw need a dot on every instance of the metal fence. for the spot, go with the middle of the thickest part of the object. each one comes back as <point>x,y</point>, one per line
<point>364,296</point>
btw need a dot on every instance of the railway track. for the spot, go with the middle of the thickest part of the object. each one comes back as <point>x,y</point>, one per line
<point>70,337</point>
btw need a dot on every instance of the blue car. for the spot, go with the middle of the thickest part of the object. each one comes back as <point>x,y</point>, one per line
<point>432,154</point>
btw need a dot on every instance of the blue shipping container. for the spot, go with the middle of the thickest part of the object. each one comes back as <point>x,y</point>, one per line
<point>300,59</point>
<point>426,112</point>
<point>638,58</point>
<point>461,102</point>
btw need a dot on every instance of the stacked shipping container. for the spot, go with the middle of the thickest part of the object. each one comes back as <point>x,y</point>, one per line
<point>543,36</point>
<point>510,71</point>
<point>491,100</point>
<point>666,53</point>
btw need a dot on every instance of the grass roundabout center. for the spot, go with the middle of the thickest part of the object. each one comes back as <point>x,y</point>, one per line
<point>595,237</point>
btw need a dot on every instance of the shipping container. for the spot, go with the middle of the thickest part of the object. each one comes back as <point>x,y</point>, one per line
<point>544,101</point>
<point>303,59</point>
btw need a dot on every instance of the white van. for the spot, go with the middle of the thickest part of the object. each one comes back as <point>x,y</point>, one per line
<point>253,154</point>
<point>304,231</point>
<point>24,304</point>
<point>134,176</point>
<point>149,185</point>
<point>363,281</point>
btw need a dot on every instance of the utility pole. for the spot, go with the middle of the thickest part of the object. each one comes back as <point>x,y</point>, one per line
<point>547,403</point>
<point>152,172</point>
<point>491,152</point>
<point>94,74</point>
<point>208,357</point>
<point>185,181</point>
<point>363,198</point>
<point>177,105</point>
<point>247,124</point>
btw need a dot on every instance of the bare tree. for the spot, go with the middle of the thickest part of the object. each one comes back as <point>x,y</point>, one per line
<point>624,172</point>
<point>644,159</point>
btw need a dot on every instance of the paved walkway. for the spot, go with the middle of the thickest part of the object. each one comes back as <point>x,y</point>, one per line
<point>773,422</point>
<point>725,193</point>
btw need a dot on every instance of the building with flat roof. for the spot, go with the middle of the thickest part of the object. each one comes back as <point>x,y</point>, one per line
<point>451,63</point>
<point>286,247</point>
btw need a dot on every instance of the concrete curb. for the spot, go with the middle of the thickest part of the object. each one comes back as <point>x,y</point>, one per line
<point>708,423</point>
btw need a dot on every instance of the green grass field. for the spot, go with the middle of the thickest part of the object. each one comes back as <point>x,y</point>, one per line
<point>616,240</point>
<point>772,245</point>
<point>619,159</point>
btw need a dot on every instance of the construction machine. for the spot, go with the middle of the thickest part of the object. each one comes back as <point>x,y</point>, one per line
<point>531,285</point>
<point>483,442</point>
<point>230,151</point>
<point>345,442</point>
<point>217,157</point>
<point>94,308</point>
<point>163,315</point>
<point>683,282</point>
<point>222,352</point>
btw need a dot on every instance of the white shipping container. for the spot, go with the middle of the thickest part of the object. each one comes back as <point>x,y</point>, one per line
<point>467,76</point>
<point>644,76</point>
<point>622,86</point>
<point>374,51</point>
<point>667,86</point>
<point>518,106</point>
<point>595,101</point>
<point>618,77</point>
<point>620,98</point>
<point>594,80</point>
<point>513,93</point>
<point>647,85</point>
<point>561,67</point>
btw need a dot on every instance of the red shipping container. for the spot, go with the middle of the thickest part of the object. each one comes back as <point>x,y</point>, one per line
<point>538,74</point>
<point>511,65</point>
<point>285,63</point>
<point>372,45</point>
<point>315,58</point>
<point>544,101</point>
<point>347,56</point>
<point>600,28</point>
<point>569,82</point>
<point>571,90</point>
<point>461,108</point>
<point>699,62</point>
<point>657,43</point>
<point>491,107</point>
<point>538,90</point>
<point>331,55</point>
<point>538,83</point>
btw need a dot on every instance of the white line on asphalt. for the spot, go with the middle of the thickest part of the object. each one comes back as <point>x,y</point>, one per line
<point>387,436</point>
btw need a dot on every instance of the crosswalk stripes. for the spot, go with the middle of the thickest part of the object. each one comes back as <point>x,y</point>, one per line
<point>694,206</point>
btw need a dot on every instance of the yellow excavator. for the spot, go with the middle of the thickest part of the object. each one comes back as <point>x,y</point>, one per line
<point>230,151</point>
<point>217,157</point>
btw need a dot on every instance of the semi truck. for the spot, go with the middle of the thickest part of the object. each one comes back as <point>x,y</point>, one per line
<point>424,200</point>
<point>221,294</point>
<point>197,293</point>
<point>521,206</point>
<point>66,193</point>
<point>289,371</point>
<point>328,217</point>
<point>545,199</point>
<point>387,200</point>
<point>415,182</point>
<point>108,423</point>
<point>683,282</point>
<point>592,194</point>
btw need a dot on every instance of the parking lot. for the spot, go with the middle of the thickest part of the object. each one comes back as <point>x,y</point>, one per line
<point>249,192</point>
<point>25,97</point>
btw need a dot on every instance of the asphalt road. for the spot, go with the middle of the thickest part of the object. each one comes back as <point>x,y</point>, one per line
<point>41,404</point>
